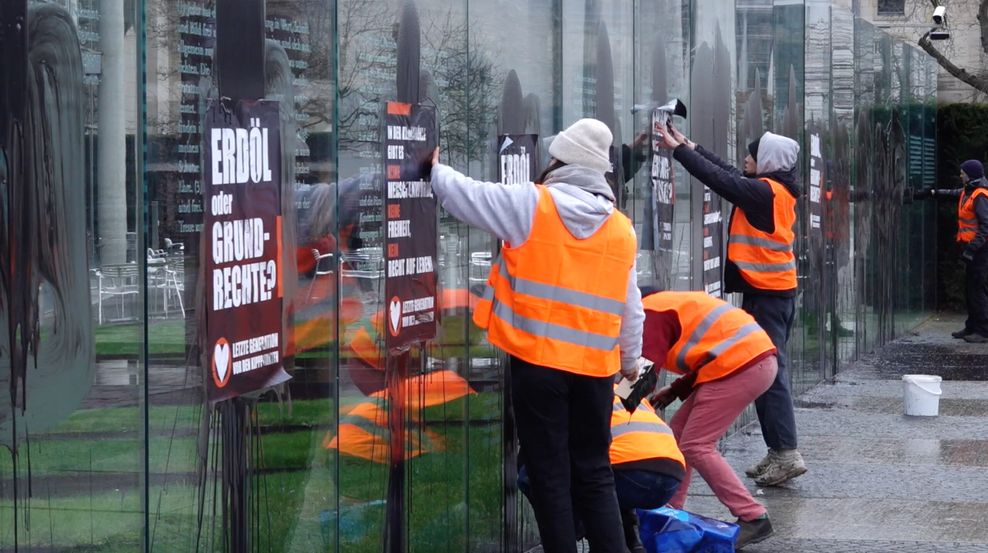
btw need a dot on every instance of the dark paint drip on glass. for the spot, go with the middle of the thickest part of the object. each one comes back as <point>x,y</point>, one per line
<point>48,317</point>
<point>45,311</point>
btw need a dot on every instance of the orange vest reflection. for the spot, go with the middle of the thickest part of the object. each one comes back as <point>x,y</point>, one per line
<point>363,429</point>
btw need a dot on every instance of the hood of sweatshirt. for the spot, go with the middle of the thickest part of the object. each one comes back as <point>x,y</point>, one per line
<point>776,154</point>
<point>583,198</point>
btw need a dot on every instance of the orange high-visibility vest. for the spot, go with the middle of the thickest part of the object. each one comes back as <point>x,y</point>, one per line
<point>967,219</point>
<point>766,260</point>
<point>641,435</point>
<point>717,338</point>
<point>557,301</point>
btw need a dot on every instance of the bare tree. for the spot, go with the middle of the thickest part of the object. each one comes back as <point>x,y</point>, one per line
<point>979,79</point>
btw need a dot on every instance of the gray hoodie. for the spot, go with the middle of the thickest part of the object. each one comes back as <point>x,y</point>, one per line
<point>776,153</point>
<point>584,201</point>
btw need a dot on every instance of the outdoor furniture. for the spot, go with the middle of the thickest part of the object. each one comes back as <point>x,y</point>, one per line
<point>167,279</point>
<point>117,282</point>
<point>324,266</point>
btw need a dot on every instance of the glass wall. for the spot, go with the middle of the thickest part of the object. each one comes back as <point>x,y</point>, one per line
<point>120,431</point>
<point>74,303</point>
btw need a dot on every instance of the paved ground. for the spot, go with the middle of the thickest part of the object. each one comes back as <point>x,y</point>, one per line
<point>880,481</point>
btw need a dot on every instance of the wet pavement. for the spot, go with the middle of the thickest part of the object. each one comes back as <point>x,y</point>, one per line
<point>880,481</point>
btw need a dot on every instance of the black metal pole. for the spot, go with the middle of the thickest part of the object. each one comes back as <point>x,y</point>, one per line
<point>239,67</point>
<point>396,375</point>
<point>13,89</point>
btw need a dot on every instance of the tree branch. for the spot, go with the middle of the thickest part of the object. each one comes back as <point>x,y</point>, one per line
<point>983,20</point>
<point>978,82</point>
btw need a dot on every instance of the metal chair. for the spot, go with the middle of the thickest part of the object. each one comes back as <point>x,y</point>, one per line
<point>117,281</point>
<point>324,266</point>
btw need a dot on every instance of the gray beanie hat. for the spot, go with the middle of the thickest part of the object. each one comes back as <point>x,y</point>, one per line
<point>585,143</point>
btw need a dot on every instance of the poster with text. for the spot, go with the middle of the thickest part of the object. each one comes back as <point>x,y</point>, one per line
<point>410,224</point>
<point>663,200</point>
<point>713,239</point>
<point>816,185</point>
<point>242,253</point>
<point>517,158</point>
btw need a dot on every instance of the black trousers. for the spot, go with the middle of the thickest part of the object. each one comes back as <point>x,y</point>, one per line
<point>564,429</point>
<point>775,410</point>
<point>977,293</point>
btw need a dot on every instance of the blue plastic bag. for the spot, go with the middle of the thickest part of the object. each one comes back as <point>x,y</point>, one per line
<point>666,530</point>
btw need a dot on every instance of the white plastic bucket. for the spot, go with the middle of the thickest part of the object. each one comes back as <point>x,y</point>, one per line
<point>921,395</point>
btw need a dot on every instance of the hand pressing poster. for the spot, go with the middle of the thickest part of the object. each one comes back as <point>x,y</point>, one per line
<point>410,235</point>
<point>242,254</point>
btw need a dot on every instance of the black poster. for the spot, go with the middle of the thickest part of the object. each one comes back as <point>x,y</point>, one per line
<point>816,183</point>
<point>517,158</point>
<point>410,223</point>
<point>242,252</point>
<point>713,240</point>
<point>663,199</point>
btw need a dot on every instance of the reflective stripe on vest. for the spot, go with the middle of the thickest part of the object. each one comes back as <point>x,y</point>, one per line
<point>716,338</point>
<point>555,300</point>
<point>641,435</point>
<point>967,219</point>
<point>766,260</point>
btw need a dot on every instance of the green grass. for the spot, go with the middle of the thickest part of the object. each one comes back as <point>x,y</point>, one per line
<point>167,337</point>
<point>298,493</point>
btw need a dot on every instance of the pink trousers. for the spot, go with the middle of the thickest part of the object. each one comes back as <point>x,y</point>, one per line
<point>703,419</point>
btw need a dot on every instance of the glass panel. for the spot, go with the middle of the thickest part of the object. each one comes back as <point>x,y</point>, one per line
<point>73,313</point>
<point>816,268</point>
<point>837,215</point>
<point>273,445</point>
<point>661,74</point>
<point>514,43</point>
<point>113,442</point>
<point>712,125</point>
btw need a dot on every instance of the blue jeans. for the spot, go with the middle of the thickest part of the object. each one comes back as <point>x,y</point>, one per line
<point>643,489</point>
<point>775,410</point>
<point>636,489</point>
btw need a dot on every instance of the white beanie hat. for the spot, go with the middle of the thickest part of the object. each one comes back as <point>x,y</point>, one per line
<point>585,143</point>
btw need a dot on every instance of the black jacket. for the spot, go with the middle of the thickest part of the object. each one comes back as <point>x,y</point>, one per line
<point>748,193</point>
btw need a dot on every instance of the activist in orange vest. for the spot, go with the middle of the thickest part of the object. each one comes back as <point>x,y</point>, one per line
<point>728,361</point>
<point>647,465</point>
<point>972,234</point>
<point>761,264</point>
<point>562,301</point>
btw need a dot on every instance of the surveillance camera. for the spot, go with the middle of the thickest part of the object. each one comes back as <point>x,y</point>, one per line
<point>939,35</point>
<point>939,13</point>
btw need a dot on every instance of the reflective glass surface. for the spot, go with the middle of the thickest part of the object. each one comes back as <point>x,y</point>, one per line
<point>112,441</point>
